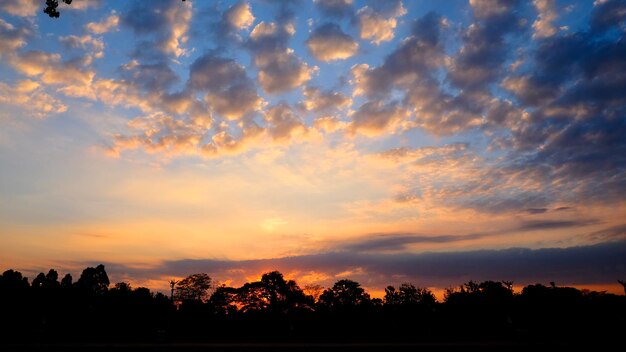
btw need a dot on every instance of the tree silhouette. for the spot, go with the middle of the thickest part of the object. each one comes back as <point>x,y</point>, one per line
<point>194,287</point>
<point>623,283</point>
<point>407,295</point>
<point>284,295</point>
<point>12,279</point>
<point>274,309</point>
<point>48,281</point>
<point>66,282</point>
<point>344,294</point>
<point>223,300</point>
<point>94,280</point>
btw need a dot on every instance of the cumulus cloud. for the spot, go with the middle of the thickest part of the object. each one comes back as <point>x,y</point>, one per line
<point>179,123</point>
<point>413,61</point>
<point>22,8</point>
<point>80,5</point>
<point>281,72</point>
<point>555,120</point>
<point>283,123</point>
<point>378,24</point>
<point>280,69</point>
<point>106,25</point>
<point>12,37</point>
<point>239,16</point>
<point>51,70</point>
<point>329,124</point>
<point>480,60</point>
<point>167,22</point>
<point>227,30</point>
<point>211,72</point>
<point>162,133</point>
<point>376,117</point>
<point>411,69</point>
<point>156,77</point>
<point>335,8</point>
<point>543,25</point>
<point>576,100</point>
<point>85,42</point>
<point>318,100</point>
<point>328,43</point>
<point>31,97</point>
<point>230,92</point>
<point>226,143</point>
<point>608,14</point>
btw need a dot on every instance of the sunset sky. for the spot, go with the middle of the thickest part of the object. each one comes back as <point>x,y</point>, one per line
<point>430,142</point>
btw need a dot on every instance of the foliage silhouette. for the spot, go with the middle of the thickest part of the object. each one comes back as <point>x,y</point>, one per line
<point>93,280</point>
<point>276,309</point>
<point>194,287</point>
<point>345,294</point>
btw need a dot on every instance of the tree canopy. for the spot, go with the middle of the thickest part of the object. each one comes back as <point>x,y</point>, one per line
<point>277,309</point>
<point>194,287</point>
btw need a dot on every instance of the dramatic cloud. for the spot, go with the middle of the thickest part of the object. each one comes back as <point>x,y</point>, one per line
<point>166,21</point>
<point>86,42</point>
<point>157,77</point>
<point>585,265</point>
<point>230,92</point>
<point>162,133</point>
<point>375,117</point>
<point>29,96</point>
<point>395,243</point>
<point>377,24</point>
<point>335,8</point>
<point>499,123</point>
<point>85,4</point>
<point>21,8</point>
<point>607,14</point>
<point>577,100</point>
<point>328,42</point>
<point>12,37</point>
<point>106,25</point>
<point>615,233</point>
<point>410,64</point>
<point>239,16</point>
<point>283,122</point>
<point>280,70</point>
<point>321,101</point>
<point>411,69</point>
<point>51,70</point>
<point>480,60</point>
<point>543,25</point>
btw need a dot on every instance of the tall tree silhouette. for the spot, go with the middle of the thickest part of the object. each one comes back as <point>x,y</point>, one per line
<point>407,294</point>
<point>94,280</point>
<point>344,294</point>
<point>194,287</point>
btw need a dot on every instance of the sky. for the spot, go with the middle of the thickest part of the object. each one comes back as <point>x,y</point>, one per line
<point>390,141</point>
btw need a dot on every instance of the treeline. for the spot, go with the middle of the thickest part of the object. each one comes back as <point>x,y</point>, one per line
<point>274,309</point>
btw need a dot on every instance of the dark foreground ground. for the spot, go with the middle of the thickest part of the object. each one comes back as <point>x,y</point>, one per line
<point>248,347</point>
